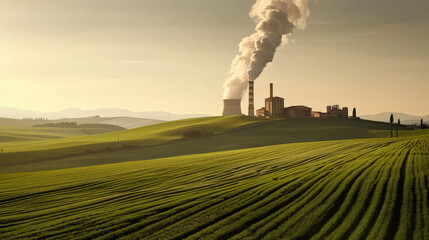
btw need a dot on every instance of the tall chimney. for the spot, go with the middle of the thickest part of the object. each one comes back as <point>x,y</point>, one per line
<point>251,100</point>
<point>271,90</point>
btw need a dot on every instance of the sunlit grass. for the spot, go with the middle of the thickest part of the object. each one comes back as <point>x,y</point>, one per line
<point>348,189</point>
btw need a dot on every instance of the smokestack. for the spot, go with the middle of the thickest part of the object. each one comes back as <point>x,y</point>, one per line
<point>251,101</point>
<point>231,107</point>
<point>271,90</point>
<point>275,20</point>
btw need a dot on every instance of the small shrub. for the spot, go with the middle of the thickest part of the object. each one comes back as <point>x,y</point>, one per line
<point>196,133</point>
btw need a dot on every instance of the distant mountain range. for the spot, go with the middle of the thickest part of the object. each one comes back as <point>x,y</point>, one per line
<point>405,118</point>
<point>129,119</point>
<point>7,112</point>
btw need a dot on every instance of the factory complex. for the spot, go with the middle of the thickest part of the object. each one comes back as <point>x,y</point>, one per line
<point>275,108</point>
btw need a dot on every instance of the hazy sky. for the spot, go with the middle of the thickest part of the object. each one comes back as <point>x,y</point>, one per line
<point>174,55</point>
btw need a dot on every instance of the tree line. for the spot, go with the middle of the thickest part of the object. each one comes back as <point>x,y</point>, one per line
<point>422,124</point>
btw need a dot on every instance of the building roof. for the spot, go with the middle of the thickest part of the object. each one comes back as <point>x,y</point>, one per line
<point>300,106</point>
<point>270,98</point>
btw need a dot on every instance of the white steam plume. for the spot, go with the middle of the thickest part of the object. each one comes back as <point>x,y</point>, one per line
<point>275,19</point>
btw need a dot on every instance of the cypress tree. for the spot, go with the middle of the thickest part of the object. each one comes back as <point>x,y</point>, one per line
<point>354,112</point>
<point>391,118</point>
<point>399,121</point>
<point>421,123</point>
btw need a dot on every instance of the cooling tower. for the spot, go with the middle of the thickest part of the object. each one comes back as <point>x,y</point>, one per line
<point>231,107</point>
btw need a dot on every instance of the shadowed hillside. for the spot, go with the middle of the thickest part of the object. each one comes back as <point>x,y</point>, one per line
<point>16,153</point>
<point>165,140</point>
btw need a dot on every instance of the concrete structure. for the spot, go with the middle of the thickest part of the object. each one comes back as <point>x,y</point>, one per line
<point>335,111</point>
<point>261,112</point>
<point>274,106</point>
<point>298,112</point>
<point>231,107</point>
<point>251,99</point>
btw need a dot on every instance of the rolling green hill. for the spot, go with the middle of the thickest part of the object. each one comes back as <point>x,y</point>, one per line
<point>165,140</point>
<point>150,135</point>
<point>17,134</point>
<point>125,122</point>
<point>347,189</point>
<point>30,151</point>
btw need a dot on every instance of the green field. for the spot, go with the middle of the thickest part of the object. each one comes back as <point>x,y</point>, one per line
<point>337,189</point>
<point>254,179</point>
<point>9,134</point>
<point>164,140</point>
<point>19,152</point>
<point>150,135</point>
<point>18,134</point>
<point>126,122</point>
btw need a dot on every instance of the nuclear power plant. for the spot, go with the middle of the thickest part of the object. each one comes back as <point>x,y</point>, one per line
<point>275,108</point>
<point>274,21</point>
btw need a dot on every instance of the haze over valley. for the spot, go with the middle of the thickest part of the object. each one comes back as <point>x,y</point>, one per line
<point>244,119</point>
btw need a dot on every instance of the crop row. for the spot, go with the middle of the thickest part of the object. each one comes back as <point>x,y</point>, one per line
<point>353,189</point>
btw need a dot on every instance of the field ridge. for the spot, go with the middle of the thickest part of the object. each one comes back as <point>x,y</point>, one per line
<point>346,189</point>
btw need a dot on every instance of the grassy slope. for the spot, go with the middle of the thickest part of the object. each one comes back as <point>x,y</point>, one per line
<point>414,133</point>
<point>16,134</point>
<point>265,134</point>
<point>31,122</point>
<point>127,122</point>
<point>349,189</point>
<point>157,134</point>
<point>146,136</point>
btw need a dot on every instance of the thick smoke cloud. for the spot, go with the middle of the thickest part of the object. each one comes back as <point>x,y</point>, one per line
<point>275,19</point>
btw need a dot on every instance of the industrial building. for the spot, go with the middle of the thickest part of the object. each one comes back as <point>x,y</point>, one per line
<point>335,111</point>
<point>298,112</point>
<point>275,108</point>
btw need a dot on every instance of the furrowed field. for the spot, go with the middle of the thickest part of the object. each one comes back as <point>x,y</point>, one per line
<point>350,189</point>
